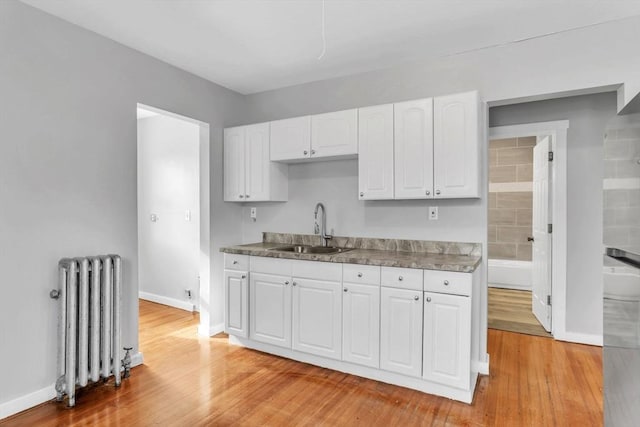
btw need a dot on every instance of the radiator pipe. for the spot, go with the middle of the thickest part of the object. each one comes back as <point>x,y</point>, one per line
<point>117,291</point>
<point>70,367</point>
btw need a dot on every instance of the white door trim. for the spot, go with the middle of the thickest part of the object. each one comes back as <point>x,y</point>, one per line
<point>558,131</point>
<point>204,299</point>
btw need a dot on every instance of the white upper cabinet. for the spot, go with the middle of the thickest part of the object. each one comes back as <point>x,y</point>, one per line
<point>375,152</point>
<point>334,134</point>
<point>456,146</point>
<point>291,139</point>
<point>249,175</point>
<point>413,129</point>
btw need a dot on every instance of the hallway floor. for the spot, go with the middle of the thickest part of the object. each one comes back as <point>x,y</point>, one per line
<point>510,310</point>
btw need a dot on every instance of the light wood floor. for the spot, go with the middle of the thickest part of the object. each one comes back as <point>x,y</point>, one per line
<point>193,381</point>
<point>510,310</point>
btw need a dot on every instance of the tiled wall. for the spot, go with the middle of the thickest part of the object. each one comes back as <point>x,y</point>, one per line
<point>621,187</point>
<point>510,197</point>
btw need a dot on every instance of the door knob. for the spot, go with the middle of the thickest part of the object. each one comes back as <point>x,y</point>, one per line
<point>529,239</point>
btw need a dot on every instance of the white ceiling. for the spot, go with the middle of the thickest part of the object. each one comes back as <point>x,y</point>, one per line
<point>256,45</point>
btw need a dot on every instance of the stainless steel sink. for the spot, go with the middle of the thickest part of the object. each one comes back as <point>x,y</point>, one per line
<point>306,249</point>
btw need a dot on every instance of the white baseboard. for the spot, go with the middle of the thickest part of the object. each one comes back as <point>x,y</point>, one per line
<point>171,302</point>
<point>210,331</point>
<point>37,397</point>
<point>480,367</point>
<point>580,338</point>
<point>27,401</point>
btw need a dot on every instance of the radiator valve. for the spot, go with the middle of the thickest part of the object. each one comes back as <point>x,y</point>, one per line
<point>126,362</point>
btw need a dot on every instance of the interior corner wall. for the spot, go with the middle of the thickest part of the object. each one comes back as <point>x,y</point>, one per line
<point>68,173</point>
<point>588,116</point>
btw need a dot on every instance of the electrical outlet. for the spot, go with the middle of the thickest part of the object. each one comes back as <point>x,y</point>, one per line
<point>433,212</point>
<point>254,213</point>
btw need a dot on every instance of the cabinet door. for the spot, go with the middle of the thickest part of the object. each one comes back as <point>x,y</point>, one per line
<point>401,331</point>
<point>291,139</point>
<point>334,134</point>
<point>270,309</point>
<point>236,319</point>
<point>361,324</point>
<point>234,172</point>
<point>447,339</point>
<point>257,163</point>
<point>317,317</point>
<point>413,128</point>
<point>456,146</point>
<point>375,152</point>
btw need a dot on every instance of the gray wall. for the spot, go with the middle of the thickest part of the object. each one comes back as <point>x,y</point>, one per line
<point>588,116</point>
<point>68,172</point>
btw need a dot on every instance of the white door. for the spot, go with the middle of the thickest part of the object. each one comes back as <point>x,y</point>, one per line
<point>361,324</point>
<point>401,331</point>
<point>541,253</point>
<point>375,152</point>
<point>291,139</point>
<point>234,164</point>
<point>270,309</point>
<point>413,128</point>
<point>447,339</point>
<point>236,319</point>
<point>317,317</point>
<point>257,164</point>
<point>334,134</point>
<point>456,145</point>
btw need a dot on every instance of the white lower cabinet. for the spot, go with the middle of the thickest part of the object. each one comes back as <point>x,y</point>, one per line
<point>236,305</point>
<point>361,324</point>
<point>401,331</point>
<point>447,339</point>
<point>270,309</point>
<point>317,317</point>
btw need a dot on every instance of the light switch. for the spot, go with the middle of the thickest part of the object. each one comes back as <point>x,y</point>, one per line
<point>433,212</point>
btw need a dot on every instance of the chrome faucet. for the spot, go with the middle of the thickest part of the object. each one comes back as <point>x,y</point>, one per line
<point>323,222</point>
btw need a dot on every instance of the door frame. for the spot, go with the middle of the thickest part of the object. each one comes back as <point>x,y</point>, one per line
<point>205,240</point>
<point>558,131</point>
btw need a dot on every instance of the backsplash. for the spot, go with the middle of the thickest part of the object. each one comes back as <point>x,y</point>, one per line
<point>510,198</point>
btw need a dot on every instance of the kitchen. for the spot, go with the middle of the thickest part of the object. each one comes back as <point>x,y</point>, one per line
<point>501,75</point>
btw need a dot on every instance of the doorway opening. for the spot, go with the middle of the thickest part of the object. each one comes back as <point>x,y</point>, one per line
<point>527,228</point>
<point>173,210</point>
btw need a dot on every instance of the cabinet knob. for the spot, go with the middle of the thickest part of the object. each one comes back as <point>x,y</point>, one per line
<point>416,298</point>
<point>361,193</point>
<point>247,196</point>
<point>359,274</point>
<point>241,196</point>
<point>346,290</point>
<point>244,276</point>
<point>294,284</point>
<point>235,261</point>
<point>428,192</point>
<point>446,283</point>
<point>428,299</point>
<point>400,278</point>
<point>286,282</point>
<point>437,192</point>
<point>305,152</point>
<point>313,152</point>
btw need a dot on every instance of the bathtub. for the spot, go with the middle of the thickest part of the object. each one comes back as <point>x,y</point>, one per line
<point>621,283</point>
<point>510,274</point>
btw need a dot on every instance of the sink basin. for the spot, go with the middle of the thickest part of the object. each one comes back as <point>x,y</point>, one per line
<point>305,249</point>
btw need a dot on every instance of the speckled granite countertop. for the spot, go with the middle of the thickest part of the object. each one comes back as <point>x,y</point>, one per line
<point>429,255</point>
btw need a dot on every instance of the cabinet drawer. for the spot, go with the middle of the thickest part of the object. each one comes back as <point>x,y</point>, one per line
<point>236,262</point>
<point>403,278</point>
<point>330,271</point>
<point>447,282</point>
<point>357,273</point>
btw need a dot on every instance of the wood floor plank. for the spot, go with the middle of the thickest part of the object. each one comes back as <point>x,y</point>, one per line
<point>192,381</point>
<point>510,310</point>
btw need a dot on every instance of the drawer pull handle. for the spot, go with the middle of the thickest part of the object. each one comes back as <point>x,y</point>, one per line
<point>446,283</point>
<point>428,299</point>
<point>416,298</point>
<point>359,274</point>
<point>400,278</point>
